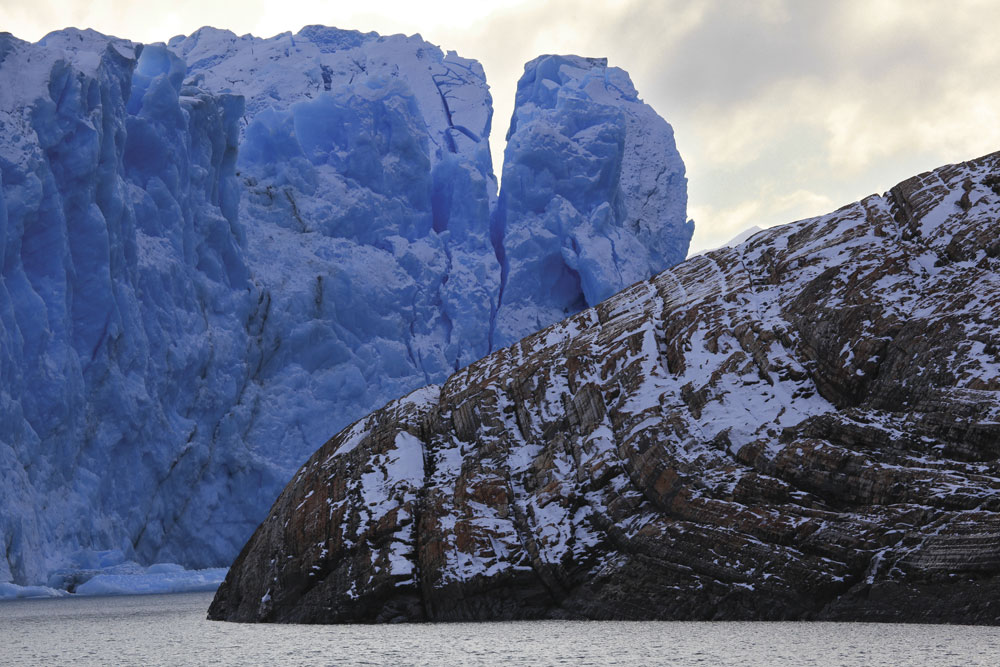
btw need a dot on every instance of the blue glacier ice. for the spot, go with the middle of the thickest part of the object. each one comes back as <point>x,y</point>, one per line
<point>102,573</point>
<point>218,251</point>
<point>125,286</point>
<point>594,196</point>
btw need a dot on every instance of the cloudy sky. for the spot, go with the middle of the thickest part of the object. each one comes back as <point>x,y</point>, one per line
<point>781,108</point>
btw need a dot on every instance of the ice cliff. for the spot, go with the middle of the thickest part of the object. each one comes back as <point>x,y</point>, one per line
<point>216,250</point>
<point>123,302</point>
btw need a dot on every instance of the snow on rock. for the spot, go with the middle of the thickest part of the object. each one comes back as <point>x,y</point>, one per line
<point>214,249</point>
<point>735,241</point>
<point>803,426</point>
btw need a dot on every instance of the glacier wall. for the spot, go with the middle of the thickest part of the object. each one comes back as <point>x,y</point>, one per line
<point>367,174</point>
<point>218,251</point>
<point>124,269</point>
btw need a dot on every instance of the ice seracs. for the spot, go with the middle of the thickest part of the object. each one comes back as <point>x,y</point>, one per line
<point>367,174</point>
<point>594,195</point>
<point>125,289</point>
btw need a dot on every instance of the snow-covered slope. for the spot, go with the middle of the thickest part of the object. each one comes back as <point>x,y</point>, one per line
<point>215,249</point>
<point>805,425</point>
<point>733,242</point>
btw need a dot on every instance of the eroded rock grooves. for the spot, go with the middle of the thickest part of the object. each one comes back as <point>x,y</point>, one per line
<point>805,426</point>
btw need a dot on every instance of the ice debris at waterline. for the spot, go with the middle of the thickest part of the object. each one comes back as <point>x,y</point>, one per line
<point>218,249</point>
<point>108,573</point>
<point>803,426</point>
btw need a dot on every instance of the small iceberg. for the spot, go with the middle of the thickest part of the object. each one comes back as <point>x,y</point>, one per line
<point>93,573</point>
<point>160,578</point>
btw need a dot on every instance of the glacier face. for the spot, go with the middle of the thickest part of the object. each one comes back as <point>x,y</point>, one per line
<point>368,177</point>
<point>218,251</point>
<point>123,275</point>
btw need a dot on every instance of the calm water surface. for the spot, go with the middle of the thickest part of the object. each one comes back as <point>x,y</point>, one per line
<point>172,630</point>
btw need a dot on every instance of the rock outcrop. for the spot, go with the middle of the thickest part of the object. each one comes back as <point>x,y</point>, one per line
<point>804,426</point>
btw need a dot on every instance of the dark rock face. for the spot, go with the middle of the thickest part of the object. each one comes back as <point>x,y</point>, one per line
<point>805,426</point>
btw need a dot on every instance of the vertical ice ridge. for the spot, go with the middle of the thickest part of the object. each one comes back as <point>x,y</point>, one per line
<point>142,258</point>
<point>579,215</point>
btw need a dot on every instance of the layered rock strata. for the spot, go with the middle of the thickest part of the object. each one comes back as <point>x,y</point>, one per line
<point>804,426</point>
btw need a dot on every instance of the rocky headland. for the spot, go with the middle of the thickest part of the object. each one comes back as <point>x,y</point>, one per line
<point>804,426</point>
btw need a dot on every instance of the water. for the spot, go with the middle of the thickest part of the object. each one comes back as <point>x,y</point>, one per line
<point>172,630</point>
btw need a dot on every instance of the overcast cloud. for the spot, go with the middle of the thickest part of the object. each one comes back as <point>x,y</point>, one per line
<point>781,109</point>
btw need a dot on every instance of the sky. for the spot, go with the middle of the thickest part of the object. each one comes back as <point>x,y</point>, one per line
<point>781,109</point>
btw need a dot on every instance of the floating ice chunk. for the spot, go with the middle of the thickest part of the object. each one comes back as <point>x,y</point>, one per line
<point>161,578</point>
<point>10,591</point>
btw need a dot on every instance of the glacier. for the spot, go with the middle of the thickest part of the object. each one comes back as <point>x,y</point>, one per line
<point>219,250</point>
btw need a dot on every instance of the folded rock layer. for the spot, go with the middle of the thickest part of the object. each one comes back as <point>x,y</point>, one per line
<point>804,426</point>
